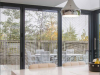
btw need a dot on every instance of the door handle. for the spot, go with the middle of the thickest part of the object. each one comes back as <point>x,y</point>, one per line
<point>94,43</point>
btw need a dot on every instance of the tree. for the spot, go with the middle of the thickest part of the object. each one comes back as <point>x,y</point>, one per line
<point>83,36</point>
<point>70,35</point>
<point>43,28</point>
<point>41,25</point>
<point>11,26</point>
<point>51,30</point>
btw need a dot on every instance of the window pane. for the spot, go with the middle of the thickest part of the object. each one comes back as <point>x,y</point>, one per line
<point>40,37</point>
<point>9,39</point>
<point>75,39</point>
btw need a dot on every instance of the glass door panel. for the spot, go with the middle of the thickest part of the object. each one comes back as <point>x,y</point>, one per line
<point>40,37</point>
<point>9,40</point>
<point>75,39</point>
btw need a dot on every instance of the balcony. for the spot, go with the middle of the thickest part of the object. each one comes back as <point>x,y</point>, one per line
<point>10,50</point>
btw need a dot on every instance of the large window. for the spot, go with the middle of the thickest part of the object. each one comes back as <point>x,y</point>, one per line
<point>41,43</point>
<point>9,39</point>
<point>40,36</point>
<point>75,39</point>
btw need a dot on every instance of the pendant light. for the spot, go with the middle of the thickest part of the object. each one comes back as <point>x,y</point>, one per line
<point>70,10</point>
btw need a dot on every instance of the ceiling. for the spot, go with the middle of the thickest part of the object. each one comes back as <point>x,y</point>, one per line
<point>82,4</point>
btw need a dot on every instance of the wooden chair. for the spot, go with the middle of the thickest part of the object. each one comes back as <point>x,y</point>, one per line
<point>67,64</point>
<point>33,66</point>
<point>74,63</point>
<point>82,63</point>
<point>43,65</point>
<point>51,65</point>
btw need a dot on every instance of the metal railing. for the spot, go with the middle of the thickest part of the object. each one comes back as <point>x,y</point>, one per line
<point>10,50</point>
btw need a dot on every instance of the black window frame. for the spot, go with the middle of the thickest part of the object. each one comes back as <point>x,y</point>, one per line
<point>95,15</point>
<point>22,29</point>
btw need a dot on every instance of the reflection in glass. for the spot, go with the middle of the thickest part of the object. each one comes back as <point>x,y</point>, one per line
<point>40,37</point>
<point>75,38</point>
<point>9,40</point>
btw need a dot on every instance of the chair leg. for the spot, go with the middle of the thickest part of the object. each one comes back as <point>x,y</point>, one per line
<point>76,58</point>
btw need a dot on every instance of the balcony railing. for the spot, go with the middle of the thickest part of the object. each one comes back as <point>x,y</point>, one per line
<point>10,50</point>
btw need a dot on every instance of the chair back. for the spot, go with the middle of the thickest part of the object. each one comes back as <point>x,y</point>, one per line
<point>87,52</point>
<point>55,51</point>
<point>63,56</point>
<point>29,59</point>
<point>38,51</point>
<point>45,56</point>
<point>67,64</point>
<point>82,63</point>
<point>33,66</point>
<point>75,63</point>
<point>69,51</point>
<point>51,65</point>
<point>45,65</point>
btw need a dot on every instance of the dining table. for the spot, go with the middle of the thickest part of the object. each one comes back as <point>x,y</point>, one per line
<point>71,70</point>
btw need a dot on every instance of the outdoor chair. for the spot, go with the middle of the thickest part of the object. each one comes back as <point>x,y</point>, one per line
<point>63,56</point>
<point>29,58</point>
<point>69,51</point>
<point>38,51</point>
<point>54,58</point>
<point>45,57</point>
<point>55,51</point>
<point>86,56</point>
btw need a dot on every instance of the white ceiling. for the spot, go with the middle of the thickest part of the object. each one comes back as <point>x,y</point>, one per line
<point>37,2</point>
<point>82,4</point>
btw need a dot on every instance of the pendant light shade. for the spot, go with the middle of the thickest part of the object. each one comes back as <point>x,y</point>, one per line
<point>70,10</point>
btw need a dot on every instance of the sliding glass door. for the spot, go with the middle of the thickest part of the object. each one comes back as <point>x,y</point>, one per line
<point>75,39</point>
<point>41,26</point>
<point>9,39</point>
<point>40,36</point>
